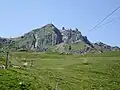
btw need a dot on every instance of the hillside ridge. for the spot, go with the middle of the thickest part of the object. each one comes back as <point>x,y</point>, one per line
<point>48,37</point>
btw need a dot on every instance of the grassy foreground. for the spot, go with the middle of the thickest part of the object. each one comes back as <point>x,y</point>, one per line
<point>73,72</point>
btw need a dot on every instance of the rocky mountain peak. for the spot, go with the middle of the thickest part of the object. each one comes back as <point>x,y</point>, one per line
<point>41,38</point>
<point>49,26</point>
<point>48,36</point>
<point>71,36</point>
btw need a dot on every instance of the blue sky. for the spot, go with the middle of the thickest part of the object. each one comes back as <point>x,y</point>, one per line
<point>20,16</point>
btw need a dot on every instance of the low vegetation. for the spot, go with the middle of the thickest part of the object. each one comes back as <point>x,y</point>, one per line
<point>72,72</point>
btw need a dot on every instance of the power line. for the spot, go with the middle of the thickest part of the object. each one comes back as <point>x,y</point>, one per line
<point>105,18</point>
<point>111,21</point>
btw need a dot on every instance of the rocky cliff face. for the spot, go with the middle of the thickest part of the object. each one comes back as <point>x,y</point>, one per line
<point>105,47</point>
<point>41,39</point>
<point>71,36</point>
<point>74,36</point>
<point>4,42</point>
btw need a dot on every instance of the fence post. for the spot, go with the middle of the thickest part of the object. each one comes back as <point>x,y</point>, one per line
<point>57,83</point>
<point>6,62</point>
<point>56,86</point>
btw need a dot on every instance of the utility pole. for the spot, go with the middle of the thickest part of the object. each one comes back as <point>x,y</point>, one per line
<point>6,62</point>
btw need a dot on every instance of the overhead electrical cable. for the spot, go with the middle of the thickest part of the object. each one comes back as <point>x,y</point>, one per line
<point>105,18</point>
<point>111,21</point>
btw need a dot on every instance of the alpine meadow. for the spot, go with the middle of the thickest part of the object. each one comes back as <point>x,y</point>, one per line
<point>59,45</point>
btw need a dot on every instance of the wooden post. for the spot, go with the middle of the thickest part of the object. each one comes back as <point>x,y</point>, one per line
<point>6,62</point>
<point>57,82</point>
<point>31,63</point>
<point>56,86</point>
<point>70,49</point>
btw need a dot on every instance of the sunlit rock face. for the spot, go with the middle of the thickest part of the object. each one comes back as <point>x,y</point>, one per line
<point>71,36</point>
<point>40,38</point>
<point>50,37</point>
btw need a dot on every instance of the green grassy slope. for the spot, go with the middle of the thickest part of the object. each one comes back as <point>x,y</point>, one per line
<point>104,54</point>
<point>76,46</point>
<point>101,72</point>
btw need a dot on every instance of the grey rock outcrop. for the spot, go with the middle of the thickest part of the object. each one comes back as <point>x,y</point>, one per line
<point>71,36</point>
<point>50,37</point>
<point>41,38</point>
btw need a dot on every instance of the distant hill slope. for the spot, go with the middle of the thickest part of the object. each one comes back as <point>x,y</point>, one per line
<point>50,38</point>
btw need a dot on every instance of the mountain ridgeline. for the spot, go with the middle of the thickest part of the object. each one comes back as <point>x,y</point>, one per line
<point>50,38</point>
